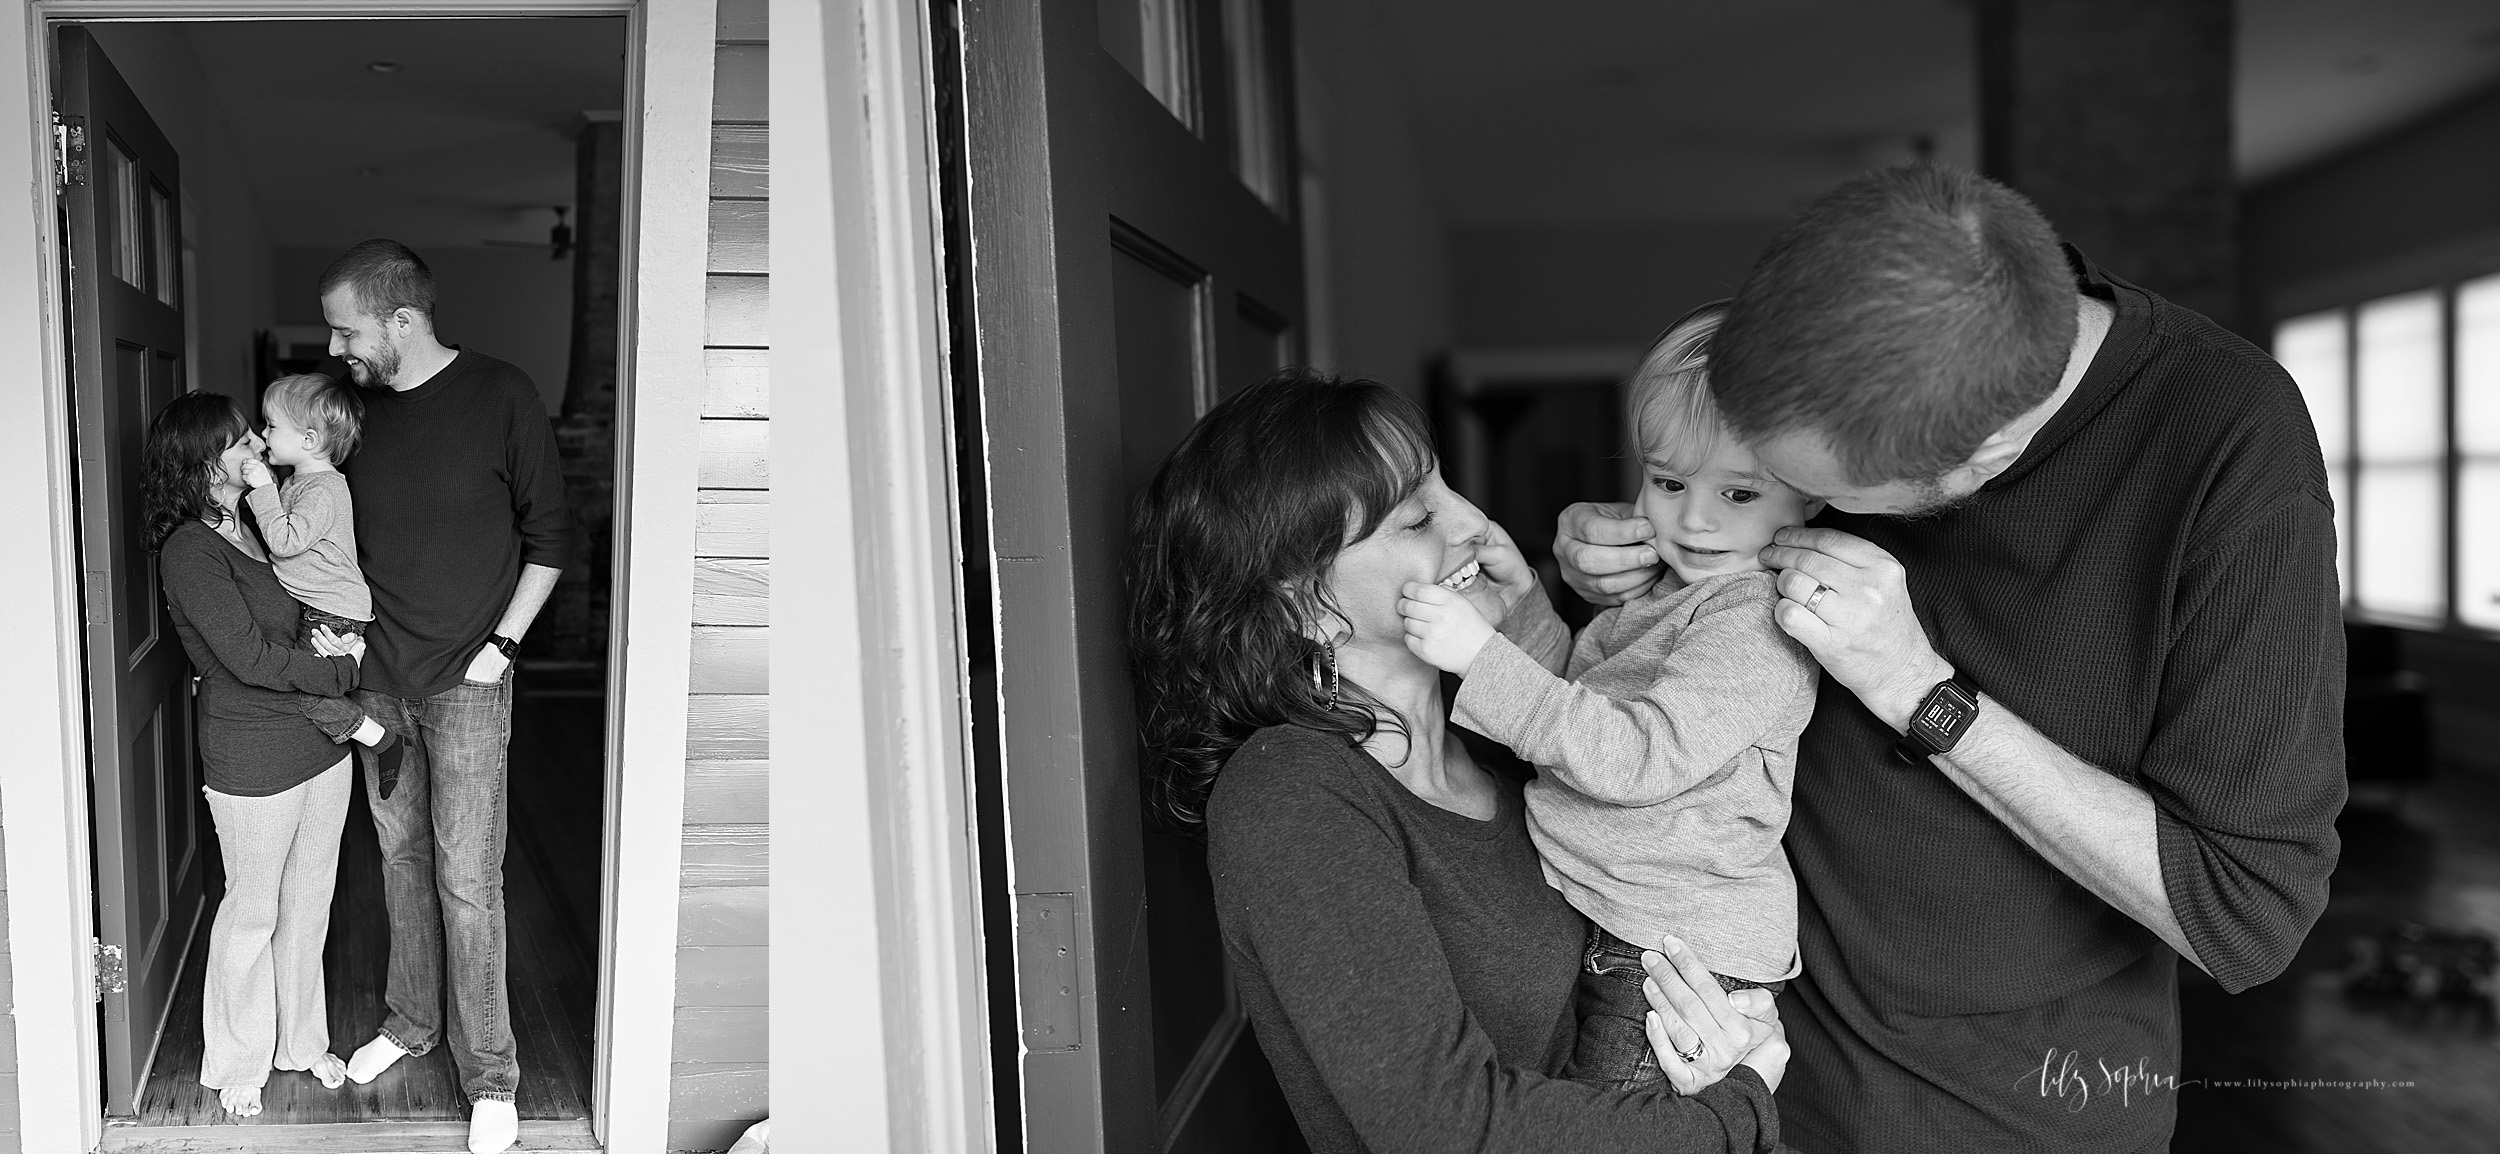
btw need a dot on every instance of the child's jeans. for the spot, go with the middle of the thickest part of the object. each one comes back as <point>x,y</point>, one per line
<point>335,716</point>
<point>1613,1050</point>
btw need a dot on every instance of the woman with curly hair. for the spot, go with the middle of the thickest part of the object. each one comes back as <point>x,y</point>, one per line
<point>1408,970</point>
<point>277,787</point>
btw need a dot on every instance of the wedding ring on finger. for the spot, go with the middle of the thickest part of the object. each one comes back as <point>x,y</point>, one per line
<point>1695,1055</point>
<point>1816,598</point>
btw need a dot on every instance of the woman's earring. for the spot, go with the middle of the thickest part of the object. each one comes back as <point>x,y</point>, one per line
<point>1329,685</point>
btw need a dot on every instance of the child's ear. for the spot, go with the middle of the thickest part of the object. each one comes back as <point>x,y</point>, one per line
<point>1814,507</point>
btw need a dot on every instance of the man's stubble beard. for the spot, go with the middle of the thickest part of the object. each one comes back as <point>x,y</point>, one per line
<point>1933,501</point>
<point>378,370</point>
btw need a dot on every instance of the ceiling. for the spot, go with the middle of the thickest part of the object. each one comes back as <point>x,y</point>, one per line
<point>469,138</point>
<point>1594,111</point>
<point>1685,110</point>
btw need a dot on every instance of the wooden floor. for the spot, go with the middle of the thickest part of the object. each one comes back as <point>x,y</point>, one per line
<point>2435,859</point>
<point>551,891</point>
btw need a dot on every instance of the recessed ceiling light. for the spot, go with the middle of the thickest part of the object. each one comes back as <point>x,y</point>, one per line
<point>368,170</point>
<point>385,67</point>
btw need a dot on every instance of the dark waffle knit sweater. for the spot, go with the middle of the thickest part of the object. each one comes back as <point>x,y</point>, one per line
<point>238,624</point>
<point>457,486</point>
<point>2152,586</point>
<point>1409,973</point>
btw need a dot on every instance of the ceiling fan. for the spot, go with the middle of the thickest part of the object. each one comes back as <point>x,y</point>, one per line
<point>559,239</point>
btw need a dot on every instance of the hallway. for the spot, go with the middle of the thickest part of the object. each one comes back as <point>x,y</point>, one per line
<point>2434,859</point>
<point>551,885</point>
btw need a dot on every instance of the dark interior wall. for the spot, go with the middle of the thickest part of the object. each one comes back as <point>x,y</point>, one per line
<point>2414,208</point>
<point>1377,283</point>
<point>512,304</point>
<point>1594,284</point>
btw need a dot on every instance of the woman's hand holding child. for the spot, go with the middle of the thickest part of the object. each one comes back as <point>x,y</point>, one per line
<point>1690,1014</point>
<point>330,644</point>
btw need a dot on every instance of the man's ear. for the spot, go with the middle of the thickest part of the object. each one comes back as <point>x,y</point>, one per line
<point>1994,455</point>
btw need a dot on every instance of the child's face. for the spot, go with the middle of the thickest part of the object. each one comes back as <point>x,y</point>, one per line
<point>1717,518</point>
<point>290,444</point>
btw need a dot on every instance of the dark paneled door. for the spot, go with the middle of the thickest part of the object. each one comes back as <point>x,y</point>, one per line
<point>1134,258</point>
<point>123,215</point>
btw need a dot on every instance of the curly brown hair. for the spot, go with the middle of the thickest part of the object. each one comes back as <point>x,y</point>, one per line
<point>178,464</point>
<point>1229,554</point>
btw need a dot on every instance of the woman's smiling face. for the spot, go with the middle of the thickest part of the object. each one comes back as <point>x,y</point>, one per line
<point>1431,537</point>
<point>230,463</point>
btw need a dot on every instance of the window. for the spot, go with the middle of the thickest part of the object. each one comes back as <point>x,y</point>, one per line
<point>1153,39</point>
<point>2478,453</point>
<point>2400,488</point>
<point>2314,351</point>
<point>2405,393</point>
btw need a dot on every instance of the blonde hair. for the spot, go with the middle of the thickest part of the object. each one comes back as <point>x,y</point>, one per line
<point>1667,406</point>
<point>321,404</point>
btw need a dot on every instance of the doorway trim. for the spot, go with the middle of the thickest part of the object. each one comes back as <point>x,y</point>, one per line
<point>880,1019</point>
<point>43,804</point>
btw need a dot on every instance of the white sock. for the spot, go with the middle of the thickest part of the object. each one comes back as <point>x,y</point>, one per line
<point>494,1125</point>
<point>372,1058</point>
<point>370,733</point>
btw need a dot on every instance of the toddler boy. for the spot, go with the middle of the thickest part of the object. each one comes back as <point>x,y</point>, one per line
<point>309,524</point>
<point>1664,761</point>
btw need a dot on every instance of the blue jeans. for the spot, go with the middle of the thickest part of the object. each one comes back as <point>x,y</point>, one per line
<point>442,833</point>
<point>336,717</point>
<point>1613,1048</point>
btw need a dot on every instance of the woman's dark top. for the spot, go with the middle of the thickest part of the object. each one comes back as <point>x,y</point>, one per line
<point>238,624</point>
<point>1409,972</point>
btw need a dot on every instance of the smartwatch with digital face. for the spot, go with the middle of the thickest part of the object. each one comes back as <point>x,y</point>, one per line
<point>1940,720</point>
<point>504,645</point>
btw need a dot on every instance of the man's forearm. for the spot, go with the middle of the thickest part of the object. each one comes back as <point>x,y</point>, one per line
<point>528,596</point>
<point>2093,827</point>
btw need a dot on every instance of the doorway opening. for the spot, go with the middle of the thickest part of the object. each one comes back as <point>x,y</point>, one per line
<point>494,149</point>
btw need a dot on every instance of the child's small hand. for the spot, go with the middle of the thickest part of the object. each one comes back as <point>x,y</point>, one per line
<point>256,473</point>
<point>1443,627</point>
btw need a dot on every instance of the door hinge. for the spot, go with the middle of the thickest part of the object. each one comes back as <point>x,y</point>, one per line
<point>1046,973</point>
<point>69,150</point>
<point>111,975</point>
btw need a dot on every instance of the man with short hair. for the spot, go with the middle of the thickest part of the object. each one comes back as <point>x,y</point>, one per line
<point>2076,604</point>
<point>461,528</point>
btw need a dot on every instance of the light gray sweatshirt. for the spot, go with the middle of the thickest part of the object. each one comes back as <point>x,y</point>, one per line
<point>309,522</point>
<point>1664,764</point>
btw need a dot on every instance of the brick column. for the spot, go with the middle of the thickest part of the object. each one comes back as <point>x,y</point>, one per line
<point>576,618</point>
<point>2114,116</point>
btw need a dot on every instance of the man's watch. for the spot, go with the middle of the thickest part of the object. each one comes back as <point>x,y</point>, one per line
<point>504,645</point>
<point>1940,720</point>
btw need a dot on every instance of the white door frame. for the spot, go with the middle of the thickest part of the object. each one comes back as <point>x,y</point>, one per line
<point>880,1036</point>
<point>43,796</point>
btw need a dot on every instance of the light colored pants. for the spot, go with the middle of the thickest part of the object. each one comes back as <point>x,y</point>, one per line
<point>265,1002</point>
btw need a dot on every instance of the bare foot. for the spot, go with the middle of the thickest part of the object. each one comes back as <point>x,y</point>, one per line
<point>331,1071</point>
<point>241,1101</point>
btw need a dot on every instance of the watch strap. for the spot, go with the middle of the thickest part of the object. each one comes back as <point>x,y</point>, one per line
<point>504,645</point>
